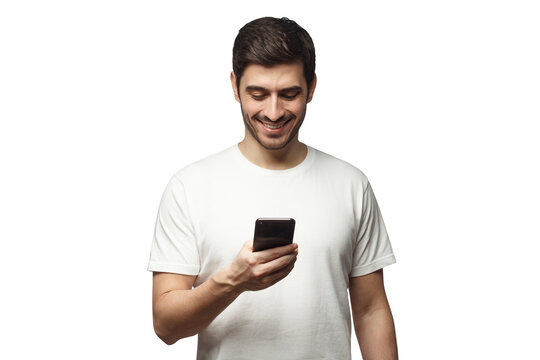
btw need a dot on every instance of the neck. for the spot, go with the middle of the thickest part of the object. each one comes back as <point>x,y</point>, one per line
<point>290,156</point>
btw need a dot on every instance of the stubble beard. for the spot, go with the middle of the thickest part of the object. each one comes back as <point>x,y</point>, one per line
<point>248,124</point>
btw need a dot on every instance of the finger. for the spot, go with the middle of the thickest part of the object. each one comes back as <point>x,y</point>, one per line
<point>249,245</point>
<point>275,265</point>
<point>286,266</point>
<point>277,252</point>
<point>277,276</point>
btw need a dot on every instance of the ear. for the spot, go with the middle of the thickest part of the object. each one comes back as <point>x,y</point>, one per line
<point>312,88</point>
<point>234,86</point>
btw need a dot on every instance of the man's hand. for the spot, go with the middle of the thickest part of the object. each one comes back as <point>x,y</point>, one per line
<point>181,311</point>
<point>258,270</point>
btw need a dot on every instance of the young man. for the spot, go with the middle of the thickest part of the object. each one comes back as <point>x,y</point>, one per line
<point>253,305</point>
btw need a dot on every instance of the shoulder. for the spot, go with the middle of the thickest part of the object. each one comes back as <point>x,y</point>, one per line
<point>209,167</point>
<point>329,165</point>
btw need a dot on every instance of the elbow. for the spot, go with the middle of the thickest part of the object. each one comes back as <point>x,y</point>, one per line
<point>163,333</point>
<point>170,335</point>
<point>165,339</point>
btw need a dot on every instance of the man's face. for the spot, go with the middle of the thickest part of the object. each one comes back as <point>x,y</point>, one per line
<point>273,102</point>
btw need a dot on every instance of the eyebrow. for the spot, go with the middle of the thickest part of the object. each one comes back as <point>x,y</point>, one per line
<point>253,88</point>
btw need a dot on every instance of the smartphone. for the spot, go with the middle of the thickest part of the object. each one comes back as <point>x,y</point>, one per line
<point>273,232</point>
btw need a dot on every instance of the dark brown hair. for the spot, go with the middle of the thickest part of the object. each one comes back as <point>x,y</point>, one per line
<point>271,41</point>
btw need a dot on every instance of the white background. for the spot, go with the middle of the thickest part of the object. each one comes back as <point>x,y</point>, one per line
<point>102,101</point>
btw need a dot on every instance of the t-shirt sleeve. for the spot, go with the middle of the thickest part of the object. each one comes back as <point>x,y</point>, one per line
<point>373,250</point>
<point>174,248</point>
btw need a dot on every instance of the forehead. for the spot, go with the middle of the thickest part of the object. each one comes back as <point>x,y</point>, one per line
<point>273,77</point>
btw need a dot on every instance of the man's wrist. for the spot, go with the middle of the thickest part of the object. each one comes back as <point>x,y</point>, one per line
<point>224,280</point>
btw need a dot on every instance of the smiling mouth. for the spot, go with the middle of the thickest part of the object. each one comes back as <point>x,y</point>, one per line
<point>274,126</point>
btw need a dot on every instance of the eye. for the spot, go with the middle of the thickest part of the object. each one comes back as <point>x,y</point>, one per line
<point>258,96</point>
<point>290,95</point>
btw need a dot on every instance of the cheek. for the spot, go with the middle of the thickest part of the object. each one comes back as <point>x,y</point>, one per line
<point>297,108</point>
<point>251,108</point>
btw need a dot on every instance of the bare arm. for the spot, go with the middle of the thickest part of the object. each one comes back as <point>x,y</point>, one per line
<point>180,311</point>
<point>373,321</point>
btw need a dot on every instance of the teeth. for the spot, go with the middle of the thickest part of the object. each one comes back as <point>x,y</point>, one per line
<point>270,126</point>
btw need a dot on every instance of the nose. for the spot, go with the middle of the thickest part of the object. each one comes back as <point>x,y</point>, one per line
<point>274,109</point>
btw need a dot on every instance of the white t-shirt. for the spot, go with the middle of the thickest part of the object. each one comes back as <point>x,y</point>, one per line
<point>208,212</point>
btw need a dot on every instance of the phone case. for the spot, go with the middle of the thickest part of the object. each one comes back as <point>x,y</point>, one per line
<point>273,232</point>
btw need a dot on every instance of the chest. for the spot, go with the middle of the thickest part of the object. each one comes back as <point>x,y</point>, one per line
<point>325,229</point>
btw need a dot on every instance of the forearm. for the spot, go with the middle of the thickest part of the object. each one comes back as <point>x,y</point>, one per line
<point>376,335</point>
<point>183,313</point>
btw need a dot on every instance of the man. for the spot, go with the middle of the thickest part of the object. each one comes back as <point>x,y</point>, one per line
<point>253,305</point>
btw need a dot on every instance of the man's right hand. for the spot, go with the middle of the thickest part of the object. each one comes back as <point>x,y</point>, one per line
<point>258,270</point>
<point>181,311</point>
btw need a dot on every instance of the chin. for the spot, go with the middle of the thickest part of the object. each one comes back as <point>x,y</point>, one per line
<point>269,145</point>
